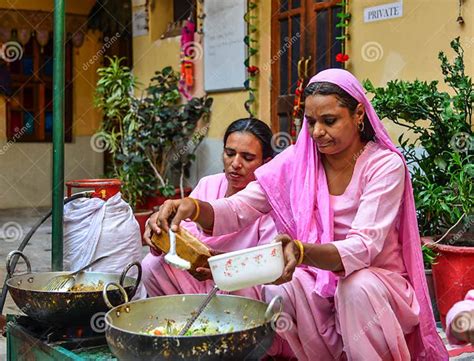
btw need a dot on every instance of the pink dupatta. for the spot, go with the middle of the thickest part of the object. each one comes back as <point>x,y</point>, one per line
<point>296,187</point>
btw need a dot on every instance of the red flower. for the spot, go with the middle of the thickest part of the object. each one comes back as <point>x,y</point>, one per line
<point>253,70</point>
<point>342,58</point>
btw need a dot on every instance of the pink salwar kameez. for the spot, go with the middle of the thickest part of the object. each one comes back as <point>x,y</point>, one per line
<point>161,279</point>
<point>378,309</point>
<point>374,304</point>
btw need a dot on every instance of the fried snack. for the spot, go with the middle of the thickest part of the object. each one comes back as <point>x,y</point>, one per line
<point>81,287</point>
<point>187,246</point>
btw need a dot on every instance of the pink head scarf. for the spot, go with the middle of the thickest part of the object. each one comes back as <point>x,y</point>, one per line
<point>296,187</point>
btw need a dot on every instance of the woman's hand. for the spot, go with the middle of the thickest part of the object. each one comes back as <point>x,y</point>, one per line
<point>291,254</point>
<point>204,273</point>
<point>147,236</point>
<point>178,208</point>
<point>171,213</point>
<point>201,274</point>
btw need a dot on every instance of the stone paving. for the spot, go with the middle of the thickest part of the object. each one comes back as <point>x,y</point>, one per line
<point>15,223</point>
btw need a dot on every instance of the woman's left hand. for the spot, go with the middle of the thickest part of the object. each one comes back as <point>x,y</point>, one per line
<point>291,254</point>
<point>204,273</point>
<point>201,274</point>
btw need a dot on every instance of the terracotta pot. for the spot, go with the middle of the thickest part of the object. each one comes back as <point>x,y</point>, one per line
<point>141,216</point>
<point>158,200</point>
<point>453,276</point>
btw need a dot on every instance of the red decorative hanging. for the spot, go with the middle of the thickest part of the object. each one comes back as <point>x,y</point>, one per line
<point>188,54</point>
<point>342,58</point>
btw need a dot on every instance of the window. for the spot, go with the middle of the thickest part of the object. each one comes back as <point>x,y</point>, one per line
<point>30,107</point>
<point>182,9</point>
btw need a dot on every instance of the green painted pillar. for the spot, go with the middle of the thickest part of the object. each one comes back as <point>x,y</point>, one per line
<point>58,136</point>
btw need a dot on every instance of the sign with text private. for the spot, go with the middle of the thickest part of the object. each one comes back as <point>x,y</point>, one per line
<point>383,12</point>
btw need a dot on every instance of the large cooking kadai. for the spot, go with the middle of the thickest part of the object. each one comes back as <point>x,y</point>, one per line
<point>246,326</point>
<point>65,308</point>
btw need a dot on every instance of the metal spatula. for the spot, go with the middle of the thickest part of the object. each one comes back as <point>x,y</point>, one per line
<point>172,257</point>
<point>63,282</point>
<point>201,308</point>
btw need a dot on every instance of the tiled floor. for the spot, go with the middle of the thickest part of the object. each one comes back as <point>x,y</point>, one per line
<point>39,252</point>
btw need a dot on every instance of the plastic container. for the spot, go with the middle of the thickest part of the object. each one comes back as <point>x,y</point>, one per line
<point>248,267</point>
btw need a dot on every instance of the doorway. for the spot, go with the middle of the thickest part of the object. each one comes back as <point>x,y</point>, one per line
<point>303,43</point>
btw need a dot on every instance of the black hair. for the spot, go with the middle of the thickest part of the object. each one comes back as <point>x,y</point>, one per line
<point>256,127</point>
<point>345,99</point>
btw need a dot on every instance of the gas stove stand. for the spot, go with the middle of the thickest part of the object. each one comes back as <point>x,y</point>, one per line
<point>29,340</point>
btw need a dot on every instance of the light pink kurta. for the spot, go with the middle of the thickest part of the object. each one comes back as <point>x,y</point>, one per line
<point>374,306</point>
<point>161,279</point>
<point>464,309</point>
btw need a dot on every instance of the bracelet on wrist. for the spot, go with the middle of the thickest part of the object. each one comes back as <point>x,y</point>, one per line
<point>300,246</point>
<point>198,209</point>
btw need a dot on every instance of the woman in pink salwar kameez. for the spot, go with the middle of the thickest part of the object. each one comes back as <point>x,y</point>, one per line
<point>343,201</point>
<point>247,145</point>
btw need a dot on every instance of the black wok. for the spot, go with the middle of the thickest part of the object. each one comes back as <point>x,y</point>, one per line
<point>65,308</point>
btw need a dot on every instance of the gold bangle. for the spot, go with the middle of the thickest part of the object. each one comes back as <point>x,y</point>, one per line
<point>300,246</point>
<point>198,209</point>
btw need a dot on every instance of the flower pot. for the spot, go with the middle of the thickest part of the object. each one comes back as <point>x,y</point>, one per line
<point>141,216</point>
<point>431,290</point>
<point>453,276</point>
<point>157,200</point>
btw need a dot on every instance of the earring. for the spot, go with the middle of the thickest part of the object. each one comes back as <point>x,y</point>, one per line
<point>361,126</point>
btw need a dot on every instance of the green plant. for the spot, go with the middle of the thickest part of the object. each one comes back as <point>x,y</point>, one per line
<point>442,172</point>
<point>119,129</point>
<point>152,139</point>
<point>168,132</point>
<point>429,256</point>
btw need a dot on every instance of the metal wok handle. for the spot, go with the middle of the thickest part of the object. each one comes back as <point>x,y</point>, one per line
<point>139,276</point>
<point>270,313</point>
<point>9,262</point>
<point>106,296</point>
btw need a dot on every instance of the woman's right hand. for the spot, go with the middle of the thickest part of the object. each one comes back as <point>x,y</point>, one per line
<point>147,237</point>
<point>171,213</point>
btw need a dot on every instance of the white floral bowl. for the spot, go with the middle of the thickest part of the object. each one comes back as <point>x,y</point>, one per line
<point>247,267</point>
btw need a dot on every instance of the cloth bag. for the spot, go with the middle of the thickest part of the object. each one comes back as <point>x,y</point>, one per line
<point>93,228</point>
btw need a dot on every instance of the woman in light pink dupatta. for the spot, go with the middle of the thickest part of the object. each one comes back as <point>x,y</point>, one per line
<point>360,292</point>
<point>247,145</point>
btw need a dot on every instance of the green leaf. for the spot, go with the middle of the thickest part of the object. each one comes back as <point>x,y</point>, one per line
<point>442,183</point>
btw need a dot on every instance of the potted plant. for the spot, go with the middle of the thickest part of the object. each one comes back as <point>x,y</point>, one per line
<point>151,139</point>
<point>114,96</point>
<point>170,132</point>
<point>119,133</point>
<point>441,166</point>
